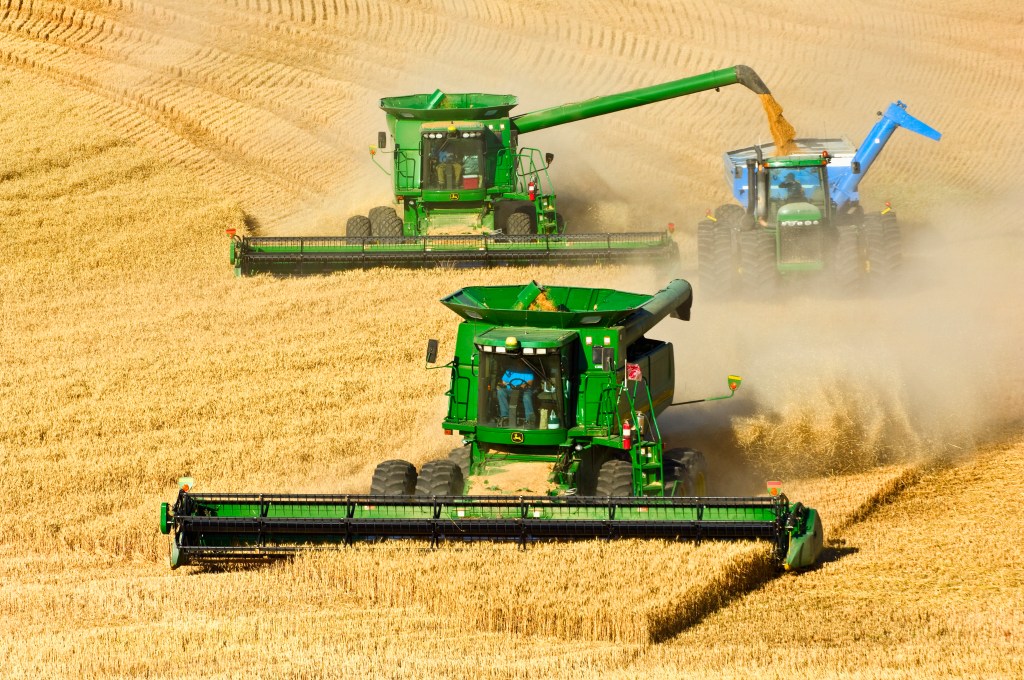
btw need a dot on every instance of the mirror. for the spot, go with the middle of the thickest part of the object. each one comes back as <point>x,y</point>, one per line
<point>549,157</point>
<point>382,140</point>
<point>855,167</point>
<point>431,351</point>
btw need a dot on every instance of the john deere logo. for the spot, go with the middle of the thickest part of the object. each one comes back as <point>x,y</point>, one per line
<point>453,197</point>
<point>517,438</point>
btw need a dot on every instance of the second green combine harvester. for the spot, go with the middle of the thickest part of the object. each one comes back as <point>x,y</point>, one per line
<point>466,192</point>
<point>563,379</point>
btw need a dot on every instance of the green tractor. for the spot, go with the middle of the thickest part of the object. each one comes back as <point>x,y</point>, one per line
<point>802,213</point>
<point>466,191</point>
<point>561,380</point>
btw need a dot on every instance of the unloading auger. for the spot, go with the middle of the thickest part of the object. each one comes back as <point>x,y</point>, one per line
<point>559,377</point>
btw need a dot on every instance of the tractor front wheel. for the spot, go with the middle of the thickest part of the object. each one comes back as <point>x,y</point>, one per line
<point>394,478</point>
<point>440,478</point>
<point>615,479</point>
<point>882,244</point>
<point>847,263</point>
<point>758,268</point>
<point>714,258</point>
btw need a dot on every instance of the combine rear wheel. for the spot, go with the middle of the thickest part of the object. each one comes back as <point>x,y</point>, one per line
<point>686,471</point>
<point>519,224</point>
<point>847,264</point>
<point>714,258</point>
<point>758,269</point>
<point>394,478</point>
<point>882,244</point>
<point>440,478</point>
<point>358,226</point>
<point>615,479</point>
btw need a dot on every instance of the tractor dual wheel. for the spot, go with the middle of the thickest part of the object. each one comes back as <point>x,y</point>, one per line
<point>882,244</point>
<point>847,262</point>
<point>615,478</point>
<point>394,478</point>
<point>715,265</point>
<point>440,478</point>
<point>758,270</point>
<point>686,473</point>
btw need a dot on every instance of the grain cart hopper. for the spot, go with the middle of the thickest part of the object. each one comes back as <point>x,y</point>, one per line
<point>802,212</point>
<point>583,388</point>
<point>466,192</point>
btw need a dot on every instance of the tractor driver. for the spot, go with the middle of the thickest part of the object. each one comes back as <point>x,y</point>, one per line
<point>449,170</point>
<point>518,377</point>
<point>794,190</point>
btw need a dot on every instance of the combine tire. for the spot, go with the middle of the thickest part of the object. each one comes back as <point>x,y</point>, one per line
<point>440,478</point>
<point>519,224</point>
<point>847,264</point>
<point>882,244</point>
<point>394,478</point>
<point>389,225</point>
<point>461,457</point>
<point>358,226</point>
<point>615,479</point>
<point>379,214</point>
<point>758,270</point>
<point>686,471</point>
<point>714,258</point>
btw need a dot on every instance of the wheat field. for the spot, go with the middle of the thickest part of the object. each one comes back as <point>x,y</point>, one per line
<point>135,132</point>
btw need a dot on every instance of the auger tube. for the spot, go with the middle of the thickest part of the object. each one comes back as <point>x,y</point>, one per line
<point>599,106</point>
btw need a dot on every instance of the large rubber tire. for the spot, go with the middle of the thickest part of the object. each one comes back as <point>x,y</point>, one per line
<point>715,265</point>
<point>882,244</point>
<point>440,478</point>
<point>394,478</point>
<point>730,214</point>
<point>390,225</point>
<point>686,473</point>
<point>461,457</point>
<point>615,479</point>
<point>758,261</point>
<point>847,263</point>
<point>378,215</point>
<point>358,226</point>
<point>519,224</point>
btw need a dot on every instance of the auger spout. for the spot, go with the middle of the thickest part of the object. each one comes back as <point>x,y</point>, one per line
<point>599,106</point>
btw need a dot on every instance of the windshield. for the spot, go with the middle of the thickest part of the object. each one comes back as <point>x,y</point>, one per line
<point>521,392</point>
<point>796,185</point>
<point>452,163</point>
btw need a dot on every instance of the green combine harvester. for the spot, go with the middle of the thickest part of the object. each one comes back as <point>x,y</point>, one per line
<point>562,380</point>
<point>466,192</point>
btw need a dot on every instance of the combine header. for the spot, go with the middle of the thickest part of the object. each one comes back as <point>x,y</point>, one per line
<point>560,381</point>
<point>466,192</point>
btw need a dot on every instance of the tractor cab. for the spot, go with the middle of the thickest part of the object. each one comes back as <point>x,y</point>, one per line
<point>794,191</point>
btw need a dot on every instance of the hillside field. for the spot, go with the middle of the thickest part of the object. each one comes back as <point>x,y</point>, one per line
<point>134,132</point>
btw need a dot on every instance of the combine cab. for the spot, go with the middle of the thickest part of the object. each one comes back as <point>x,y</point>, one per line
<point>558,381</point>
<point>467,192</point>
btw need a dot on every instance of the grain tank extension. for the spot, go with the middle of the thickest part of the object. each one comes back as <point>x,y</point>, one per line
<point>466,191</point>
<point>560,385</point>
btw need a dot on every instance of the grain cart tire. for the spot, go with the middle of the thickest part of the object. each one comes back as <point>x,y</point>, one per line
<point>847,264</point>
<point>714,259</point>
<point>394,478</point>
<point>758,270</point>
<point>519,224</point>
<point>389,225</point>
<point>358,226</point>
<point>378,216</point>
<point>615,479</point>
<point>461,457</point>
<point>686,473</point>
<point>440,478</point>
<point>882,244</point>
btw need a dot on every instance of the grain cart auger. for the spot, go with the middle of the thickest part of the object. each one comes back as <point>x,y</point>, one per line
<point>558,381</point>
<point>466,192</point>
<point>802,213</point>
